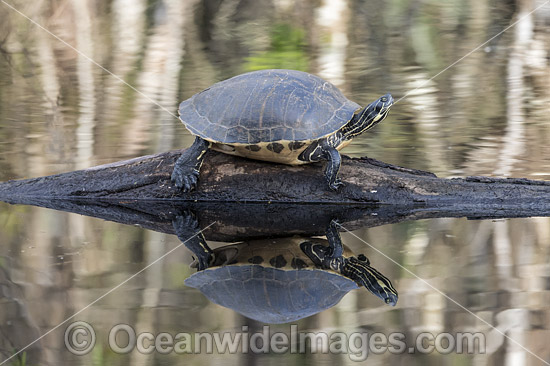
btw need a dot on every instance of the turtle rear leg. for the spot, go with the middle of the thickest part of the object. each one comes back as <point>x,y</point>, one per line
<point>186,169</point>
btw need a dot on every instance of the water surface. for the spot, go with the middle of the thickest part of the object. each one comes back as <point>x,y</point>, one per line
<point>487,115</point>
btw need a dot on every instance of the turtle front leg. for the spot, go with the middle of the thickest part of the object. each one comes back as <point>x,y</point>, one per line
<point>330,257</point>
<point>188,232</point>
<point>186,169</point>
<point>333,166</point>
<point>325,150</point>
<point>319,254</point>
<point>335,248</point>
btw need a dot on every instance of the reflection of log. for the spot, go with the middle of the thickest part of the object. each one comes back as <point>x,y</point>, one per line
<point>232,179</point>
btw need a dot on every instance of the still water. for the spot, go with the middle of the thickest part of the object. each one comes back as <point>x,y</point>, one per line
<point>486,115</point>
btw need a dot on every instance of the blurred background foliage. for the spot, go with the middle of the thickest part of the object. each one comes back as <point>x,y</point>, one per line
<point>287,50</point>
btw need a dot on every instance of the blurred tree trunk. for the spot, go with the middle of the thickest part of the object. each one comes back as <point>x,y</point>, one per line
<point>86,83</point>
<point>331,23</point>
<point>513,142</point>
<point>128,22</point>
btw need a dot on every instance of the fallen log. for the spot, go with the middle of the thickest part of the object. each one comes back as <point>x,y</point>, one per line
<point>274,200</point>
<point>227,178</point>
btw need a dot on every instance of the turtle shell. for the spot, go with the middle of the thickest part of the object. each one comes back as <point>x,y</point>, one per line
<point>267,106</point>
<point>271,281</point>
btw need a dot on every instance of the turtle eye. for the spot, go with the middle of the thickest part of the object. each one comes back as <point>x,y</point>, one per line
<point>384,99</point>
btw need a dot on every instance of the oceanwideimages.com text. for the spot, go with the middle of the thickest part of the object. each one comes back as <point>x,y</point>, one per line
<point>80,339</point>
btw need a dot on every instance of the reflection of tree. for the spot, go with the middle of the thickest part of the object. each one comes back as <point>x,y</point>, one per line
<point>158,77</point>
<point>367,60</point>
<point>233,29</point>
<point>17,328</point>
<point>86,71</point>
<point>332,19</point>
<point>387,44</point>
<point>286,51</point>
<point>128,24</point>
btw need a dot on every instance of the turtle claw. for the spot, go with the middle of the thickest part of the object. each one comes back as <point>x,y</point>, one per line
<point>334,224</point>
<point>203,262</point>
<point>336,184</point>
<point>185,178</point>
<point>187,185</point>
<point>185,220</point>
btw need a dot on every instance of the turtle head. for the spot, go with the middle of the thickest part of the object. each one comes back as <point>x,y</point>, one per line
<point>359,270</point>
<point>369,116</point>
<point>375,112</point>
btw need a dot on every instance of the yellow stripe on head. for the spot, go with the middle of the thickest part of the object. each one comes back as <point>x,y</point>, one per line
<point>374,281</point>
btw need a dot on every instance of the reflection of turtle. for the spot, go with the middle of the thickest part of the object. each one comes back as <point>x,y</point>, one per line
<point>271,281</point>
<point>284,116</point>
<point>281,280</point>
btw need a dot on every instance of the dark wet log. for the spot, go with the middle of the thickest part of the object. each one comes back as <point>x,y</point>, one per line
<point>139,192</point>
<point>231,179</point>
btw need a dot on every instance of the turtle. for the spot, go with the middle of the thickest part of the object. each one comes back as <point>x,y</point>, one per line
<point>282,116</point>
<point>279,280</point>
<point>275,281</point>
